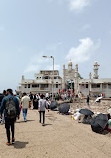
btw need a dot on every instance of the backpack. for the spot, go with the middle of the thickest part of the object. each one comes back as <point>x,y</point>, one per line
<point>10,108</point>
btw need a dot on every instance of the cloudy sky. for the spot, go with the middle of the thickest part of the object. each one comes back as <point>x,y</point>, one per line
<point>79,30</point>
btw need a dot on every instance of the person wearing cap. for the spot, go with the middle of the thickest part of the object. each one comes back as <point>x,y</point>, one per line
<point>9,122</point>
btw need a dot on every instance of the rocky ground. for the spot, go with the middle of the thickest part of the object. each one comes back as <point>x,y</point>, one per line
<point>101,107</point>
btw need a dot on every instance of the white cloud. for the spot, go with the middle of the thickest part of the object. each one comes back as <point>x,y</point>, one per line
<point>84,51</point>
<point>56,67</point>
<point>36,68</point>
<point>78,5</point>
<point>31,68</point>
<point>37,63</point>
<point>37,59</point>
<point>74,5</point>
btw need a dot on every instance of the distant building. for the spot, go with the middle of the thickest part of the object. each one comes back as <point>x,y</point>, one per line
<point>95,86</point>
<point>42,83</point>
<point>70,76</point>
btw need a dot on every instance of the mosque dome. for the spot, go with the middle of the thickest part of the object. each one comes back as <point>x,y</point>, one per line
<point>95,63</point>
<point>70,63</point>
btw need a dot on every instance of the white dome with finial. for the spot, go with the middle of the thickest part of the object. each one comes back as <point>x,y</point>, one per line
<point>70,63</point>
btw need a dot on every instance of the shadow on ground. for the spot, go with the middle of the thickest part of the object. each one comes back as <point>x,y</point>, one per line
<point>47,124</point>
<point>51,117</point>
<point>20,145</point>
<point>105,132</point>
<point>24,121</point>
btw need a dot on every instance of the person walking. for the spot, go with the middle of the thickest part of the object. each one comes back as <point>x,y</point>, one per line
<point>42,105</point>
<point>1,97</point>
<point>35,102</point>
<point>2,121</point>
<point>25,102</point>
<point>88,101</point>
<point>10,106</point>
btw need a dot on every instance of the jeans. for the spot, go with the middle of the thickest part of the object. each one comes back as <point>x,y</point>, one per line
<point>3,119</point>
<point>24,114</point>
<point>88,104</point>
<point>9,123</point>
<point>43,113</point>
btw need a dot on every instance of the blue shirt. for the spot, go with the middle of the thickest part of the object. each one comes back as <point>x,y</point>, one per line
<point>3,104</point>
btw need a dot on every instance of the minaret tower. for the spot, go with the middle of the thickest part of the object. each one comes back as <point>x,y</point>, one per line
<point>23,78</point>
<point>70,66</point>
<point>63,80</point>
<point>90,75</point>
<point>76,79</point>
<point>95,76</point>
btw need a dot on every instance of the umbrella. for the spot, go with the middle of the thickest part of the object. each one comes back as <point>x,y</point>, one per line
<point>98,99</point>
<point>64,108</point>
<point>86,112</point>
<point>53,105</point>
<point>99,123</point>
<point>87,119</point>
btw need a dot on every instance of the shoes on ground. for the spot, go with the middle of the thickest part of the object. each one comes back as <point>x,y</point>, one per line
<point>13,140</point>
<point>8,143</point>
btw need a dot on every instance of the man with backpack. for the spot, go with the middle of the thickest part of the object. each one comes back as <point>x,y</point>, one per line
<point>10,105</point>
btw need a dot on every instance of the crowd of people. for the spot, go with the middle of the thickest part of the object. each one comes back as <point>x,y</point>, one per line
<point>11,106</point>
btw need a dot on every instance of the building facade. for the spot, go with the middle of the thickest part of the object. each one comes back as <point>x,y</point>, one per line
<point>95,86</point>
<point>42,83</point>
<point>70,75</point>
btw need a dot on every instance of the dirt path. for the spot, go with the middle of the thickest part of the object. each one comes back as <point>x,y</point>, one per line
<point>62,137</point>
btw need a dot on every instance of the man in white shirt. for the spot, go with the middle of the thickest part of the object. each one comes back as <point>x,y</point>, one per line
<point>42,106</point>
<point>25,102</point>
<point>47,95</point>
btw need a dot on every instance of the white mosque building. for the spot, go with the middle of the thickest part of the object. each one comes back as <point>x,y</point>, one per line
<point>42,83</point>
